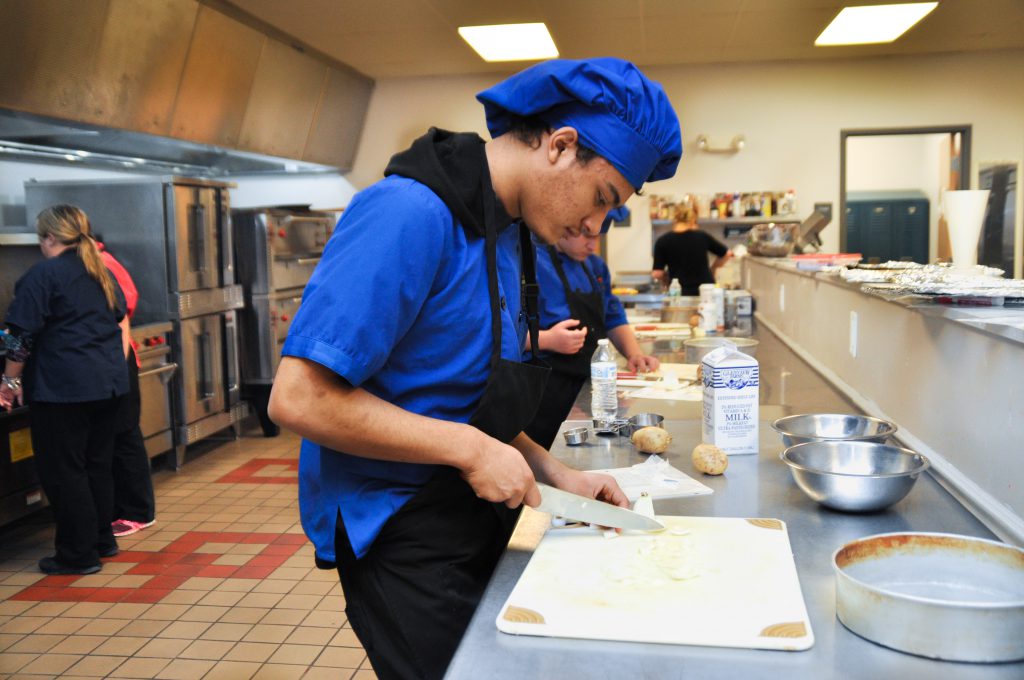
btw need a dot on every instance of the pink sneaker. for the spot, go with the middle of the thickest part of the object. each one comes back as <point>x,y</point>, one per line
<point>124,527</point>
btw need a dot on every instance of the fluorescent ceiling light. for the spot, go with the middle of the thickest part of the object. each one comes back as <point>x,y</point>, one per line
<point>873,24</point>
<point>510,42</point>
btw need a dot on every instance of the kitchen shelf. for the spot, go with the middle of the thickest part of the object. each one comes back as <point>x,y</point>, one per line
<point>740,221</point>
<point>20,238</point>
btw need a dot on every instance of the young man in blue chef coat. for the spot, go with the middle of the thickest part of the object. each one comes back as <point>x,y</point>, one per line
<point>402,368</point>
<point>577,308</point>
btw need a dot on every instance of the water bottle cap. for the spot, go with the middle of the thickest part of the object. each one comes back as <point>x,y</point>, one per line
<point>603,341</point>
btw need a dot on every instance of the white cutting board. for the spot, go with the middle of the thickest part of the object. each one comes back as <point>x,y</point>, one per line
<point>716,581</point>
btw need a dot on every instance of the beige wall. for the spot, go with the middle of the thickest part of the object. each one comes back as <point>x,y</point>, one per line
<point>790,112</point>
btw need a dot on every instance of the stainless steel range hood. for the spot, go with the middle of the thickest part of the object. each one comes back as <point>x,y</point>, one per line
<point>176,86</point>
<point>37,138</point>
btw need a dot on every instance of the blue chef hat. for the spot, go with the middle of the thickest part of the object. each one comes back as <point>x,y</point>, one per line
<point>615,109</point>
<point>619,214</point>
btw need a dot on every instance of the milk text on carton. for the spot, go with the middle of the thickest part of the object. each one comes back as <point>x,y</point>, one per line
<point>731,386</point>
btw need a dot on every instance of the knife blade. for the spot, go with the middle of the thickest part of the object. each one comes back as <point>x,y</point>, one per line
<point>582,509</point>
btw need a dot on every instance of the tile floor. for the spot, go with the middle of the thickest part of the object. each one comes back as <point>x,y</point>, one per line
<point>223,586</point>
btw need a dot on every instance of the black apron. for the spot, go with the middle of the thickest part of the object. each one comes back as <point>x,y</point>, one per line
<point>588,308</point>
<point>514,388</point>
<point>569,371</point>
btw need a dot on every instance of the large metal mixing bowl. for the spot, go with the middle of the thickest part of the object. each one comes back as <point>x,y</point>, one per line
<point>816,427</point>
<point>772,239</point>
<point>854,476</point>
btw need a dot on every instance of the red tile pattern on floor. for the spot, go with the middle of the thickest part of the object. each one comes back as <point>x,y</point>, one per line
<point>172,566</point>
<point>249,473</point>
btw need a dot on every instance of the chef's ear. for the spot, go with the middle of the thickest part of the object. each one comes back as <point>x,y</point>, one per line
<point>560,141</point>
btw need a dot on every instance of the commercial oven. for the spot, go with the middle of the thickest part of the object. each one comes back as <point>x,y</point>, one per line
<point>20,491</point>
<point>155,373</point>
<point>276,250</point>
<point>173,235</point>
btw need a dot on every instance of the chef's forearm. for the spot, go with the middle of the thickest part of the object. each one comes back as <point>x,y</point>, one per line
<point>314,402</point>
<point>126,336</point>
<point>13,369</point>
<point>546,468</point>
<point>624,340</point>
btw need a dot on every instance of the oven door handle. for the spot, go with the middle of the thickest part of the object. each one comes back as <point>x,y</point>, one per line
<point>166,369</point>
<point>205,357</point>
<point>201,234</point>
<point>288,260</point>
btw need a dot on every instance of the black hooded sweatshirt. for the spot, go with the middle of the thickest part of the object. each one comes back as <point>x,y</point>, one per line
<point>454,166</point>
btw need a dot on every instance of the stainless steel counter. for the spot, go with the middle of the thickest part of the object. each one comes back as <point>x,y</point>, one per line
<point>948,376</point>
<point>1000,322</point>
<point>753,486</point>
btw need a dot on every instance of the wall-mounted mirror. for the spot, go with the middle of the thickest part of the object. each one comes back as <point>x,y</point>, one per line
<point>995,248</point>
<point>890,190</point>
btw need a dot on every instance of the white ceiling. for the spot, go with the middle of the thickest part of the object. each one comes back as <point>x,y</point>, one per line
<point>394,38</point>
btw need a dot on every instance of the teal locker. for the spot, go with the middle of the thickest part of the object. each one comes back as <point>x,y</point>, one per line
<point>888,225</point>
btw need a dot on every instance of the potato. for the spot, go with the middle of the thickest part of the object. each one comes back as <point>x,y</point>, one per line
<point>710,459</point>
<point>651,439</point>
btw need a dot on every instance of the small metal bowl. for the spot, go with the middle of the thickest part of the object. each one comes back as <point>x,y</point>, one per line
<point>854,476</point>
<point>817,427</point>
<point>635,422</point>
<point>575,436</point>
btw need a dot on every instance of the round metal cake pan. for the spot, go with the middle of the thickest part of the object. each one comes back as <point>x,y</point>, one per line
<point>942,596</point>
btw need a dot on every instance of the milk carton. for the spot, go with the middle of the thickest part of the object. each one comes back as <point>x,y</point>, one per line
<point>731,383</point>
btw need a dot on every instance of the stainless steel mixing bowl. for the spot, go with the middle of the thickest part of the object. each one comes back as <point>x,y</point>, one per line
<point>816,427</point>
<point>854,476</point>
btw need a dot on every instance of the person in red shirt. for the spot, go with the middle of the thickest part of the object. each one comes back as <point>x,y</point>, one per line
<point>134,501</point>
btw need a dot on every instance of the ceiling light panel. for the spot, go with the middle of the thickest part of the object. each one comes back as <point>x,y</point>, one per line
<point>873,24</point>
<point>510,42</point>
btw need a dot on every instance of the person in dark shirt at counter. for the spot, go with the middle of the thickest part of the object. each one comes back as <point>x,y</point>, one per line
<point>684,251</point>
<point>65,342</point>
<point>577,308</point>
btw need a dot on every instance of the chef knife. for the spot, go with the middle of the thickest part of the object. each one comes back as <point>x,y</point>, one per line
<point>582,509</point>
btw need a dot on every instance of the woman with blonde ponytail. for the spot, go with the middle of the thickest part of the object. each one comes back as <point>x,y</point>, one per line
<point>684,253</point>
<point>65,342</point>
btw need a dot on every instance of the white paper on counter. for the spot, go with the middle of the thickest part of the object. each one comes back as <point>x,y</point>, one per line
<point>668,377</point>
<point>658,478</point>
<point>660,391</point>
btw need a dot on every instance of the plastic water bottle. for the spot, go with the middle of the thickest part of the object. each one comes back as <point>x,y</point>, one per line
<point>604,400</point>
<point>675,292</point>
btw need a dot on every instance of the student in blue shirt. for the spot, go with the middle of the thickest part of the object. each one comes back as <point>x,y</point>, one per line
<point>577,308</point>
<point>402,368</point>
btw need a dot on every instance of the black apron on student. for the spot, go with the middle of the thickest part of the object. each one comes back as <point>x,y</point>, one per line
<point>434,557</point>
<point>569,371</point>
